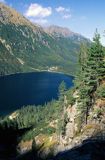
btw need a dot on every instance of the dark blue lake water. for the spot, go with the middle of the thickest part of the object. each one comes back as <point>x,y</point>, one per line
<point>30,88</point>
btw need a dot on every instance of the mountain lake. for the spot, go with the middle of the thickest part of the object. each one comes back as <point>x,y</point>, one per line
<point>36,88</point>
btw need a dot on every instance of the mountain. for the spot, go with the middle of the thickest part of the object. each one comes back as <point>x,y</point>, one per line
<point>59,31</point>
<point>29,47</point>
<point>65,33</point>
<point>72,127</point>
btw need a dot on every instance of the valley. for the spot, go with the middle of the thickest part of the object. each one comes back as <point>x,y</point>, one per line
<point>52,88</point>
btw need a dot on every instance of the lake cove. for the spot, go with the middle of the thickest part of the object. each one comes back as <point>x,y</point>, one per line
<point>24,89</point>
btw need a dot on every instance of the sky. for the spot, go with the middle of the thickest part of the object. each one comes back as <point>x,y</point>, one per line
<point>81,16</point>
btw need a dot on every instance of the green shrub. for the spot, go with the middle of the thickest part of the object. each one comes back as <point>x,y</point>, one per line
<point>101,92</point>
<point>70,98</point>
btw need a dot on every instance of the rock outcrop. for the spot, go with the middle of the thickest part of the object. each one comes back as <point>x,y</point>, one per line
<point>93,130</point>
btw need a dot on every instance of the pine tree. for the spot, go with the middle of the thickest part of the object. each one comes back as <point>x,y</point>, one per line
<point>62,88</point>
<point>91,72</point>
<point>96,58</point>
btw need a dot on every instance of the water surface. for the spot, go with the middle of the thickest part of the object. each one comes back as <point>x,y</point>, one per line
<point>29,88</point>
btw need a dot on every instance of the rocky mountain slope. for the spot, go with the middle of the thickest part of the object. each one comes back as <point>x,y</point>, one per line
<point>28,47</point>
<point>59,31</point>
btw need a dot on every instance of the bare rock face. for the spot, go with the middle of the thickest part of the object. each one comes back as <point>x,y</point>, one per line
<point>59,31</point>
<point>71,125</point>
<point>9,15</point>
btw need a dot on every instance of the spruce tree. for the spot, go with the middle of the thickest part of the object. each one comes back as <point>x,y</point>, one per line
<point>92,69</point>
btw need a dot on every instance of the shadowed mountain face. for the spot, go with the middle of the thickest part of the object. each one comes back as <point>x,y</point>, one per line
<point>89,150</point>
<point>28,47</point>
<point>9,138</point>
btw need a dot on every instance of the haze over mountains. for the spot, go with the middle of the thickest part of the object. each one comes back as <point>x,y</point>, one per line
<point>29,47</point>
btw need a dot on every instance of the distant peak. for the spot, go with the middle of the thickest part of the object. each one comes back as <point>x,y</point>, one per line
<point>59,31</point>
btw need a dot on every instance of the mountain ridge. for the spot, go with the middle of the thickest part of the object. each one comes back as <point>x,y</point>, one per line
<point>63,31</point>
<point>10,15</point>
<point>28,47</point>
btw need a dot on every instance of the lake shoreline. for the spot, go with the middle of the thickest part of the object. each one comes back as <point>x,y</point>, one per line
<point>41,71</point>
